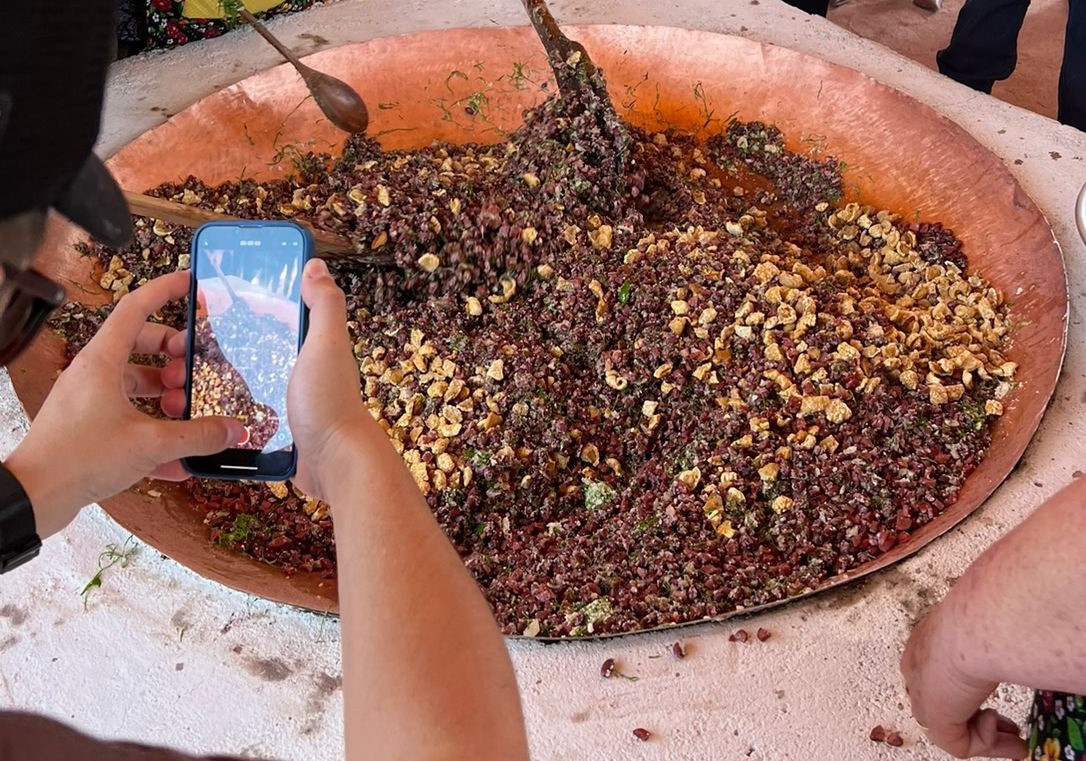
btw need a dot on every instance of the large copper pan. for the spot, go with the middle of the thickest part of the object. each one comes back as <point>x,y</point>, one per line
<point>900,154</point>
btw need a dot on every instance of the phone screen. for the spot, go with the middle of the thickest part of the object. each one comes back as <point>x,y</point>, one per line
<point>245,331</point>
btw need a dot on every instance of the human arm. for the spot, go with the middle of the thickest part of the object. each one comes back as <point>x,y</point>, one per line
<point>28,737</point>
<point>88,441</point>
<point>426,674</point>
<point>1017,615</point>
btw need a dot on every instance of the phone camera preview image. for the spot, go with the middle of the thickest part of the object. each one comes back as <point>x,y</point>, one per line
<point>246,331</point>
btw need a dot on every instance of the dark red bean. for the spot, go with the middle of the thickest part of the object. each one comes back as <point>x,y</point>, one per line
<point>607,670</point>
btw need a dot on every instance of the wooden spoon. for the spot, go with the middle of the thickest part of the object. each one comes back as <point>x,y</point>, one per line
<point>328,245</point>
<point>337,99</point>
<point>579,70</point>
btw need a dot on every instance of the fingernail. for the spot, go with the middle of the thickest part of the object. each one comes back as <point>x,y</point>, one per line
<point>317,268</point>
<point>236,433</point>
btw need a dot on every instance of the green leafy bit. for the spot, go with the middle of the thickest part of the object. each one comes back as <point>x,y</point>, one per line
<point>111,556</point>
<point>240,531</point>
<point>596,493</point>
<point>595,613</point>
<point>624,292</point>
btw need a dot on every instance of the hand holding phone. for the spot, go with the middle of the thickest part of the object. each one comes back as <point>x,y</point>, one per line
<point>89,421</point>
<point>246,326</point>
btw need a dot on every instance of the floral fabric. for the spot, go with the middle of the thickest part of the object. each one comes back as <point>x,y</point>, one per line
<point>1057,727</point>
<point>167,28</point>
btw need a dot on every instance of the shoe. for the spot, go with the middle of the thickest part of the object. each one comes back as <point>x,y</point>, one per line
<point>928,5</point>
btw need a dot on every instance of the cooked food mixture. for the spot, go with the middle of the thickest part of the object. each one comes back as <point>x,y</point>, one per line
<point>641,379</point>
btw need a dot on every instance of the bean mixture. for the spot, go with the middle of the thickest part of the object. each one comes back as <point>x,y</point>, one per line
<point>641,380</point>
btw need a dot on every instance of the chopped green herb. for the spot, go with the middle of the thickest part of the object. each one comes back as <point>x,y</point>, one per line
<point>624,292</point>
<point>240,531</point>
<point>478,458</point>
<point>645,525</point>
<point>596,494</point>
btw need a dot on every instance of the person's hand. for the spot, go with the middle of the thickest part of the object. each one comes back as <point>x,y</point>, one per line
<point>89,442</point>
<point>947,702</point>
<point>323,401</point>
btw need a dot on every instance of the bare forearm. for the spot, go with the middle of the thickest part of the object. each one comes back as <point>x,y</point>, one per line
<point>426,672</point>
<point>1019,613</point>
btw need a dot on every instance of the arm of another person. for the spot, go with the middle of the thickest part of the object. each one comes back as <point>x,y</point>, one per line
<point>1017,615</point>
<point>425,672</point>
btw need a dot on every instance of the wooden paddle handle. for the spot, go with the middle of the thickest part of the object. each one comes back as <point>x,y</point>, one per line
<point>328,245</point>
<point>272,39</point>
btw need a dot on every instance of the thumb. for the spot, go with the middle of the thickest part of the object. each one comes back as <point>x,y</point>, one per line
<point>326,302</point>
<point>199,436</point>
<point>990,737</point>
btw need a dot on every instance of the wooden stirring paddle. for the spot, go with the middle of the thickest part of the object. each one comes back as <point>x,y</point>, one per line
<point>337,99</point>
<point>328,245</point>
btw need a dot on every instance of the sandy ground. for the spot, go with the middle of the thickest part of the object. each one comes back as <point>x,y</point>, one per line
<point>918,34</point>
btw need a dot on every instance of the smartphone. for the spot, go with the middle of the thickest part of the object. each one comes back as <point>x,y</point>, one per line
<point>245,329</point>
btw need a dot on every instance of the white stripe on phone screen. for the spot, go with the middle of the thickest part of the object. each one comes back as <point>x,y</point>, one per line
<point>239,467</point>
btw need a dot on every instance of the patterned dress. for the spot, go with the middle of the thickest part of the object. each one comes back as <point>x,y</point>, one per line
<point>150,24</point>
<point>1057,731</point>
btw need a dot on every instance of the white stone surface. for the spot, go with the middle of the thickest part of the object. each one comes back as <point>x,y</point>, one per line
<point>163,656</point>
